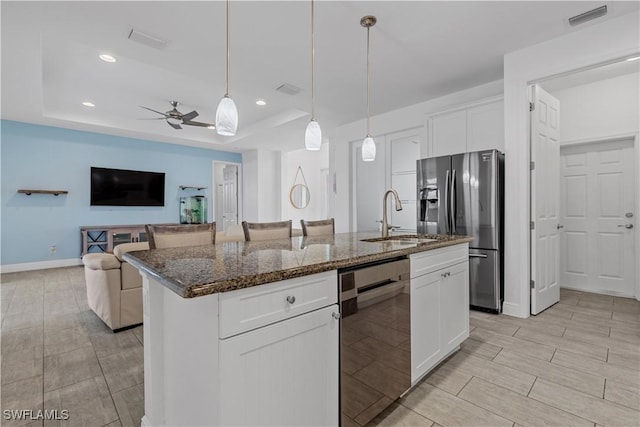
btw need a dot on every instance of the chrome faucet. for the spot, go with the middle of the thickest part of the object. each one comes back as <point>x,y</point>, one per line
<point>385,226</point>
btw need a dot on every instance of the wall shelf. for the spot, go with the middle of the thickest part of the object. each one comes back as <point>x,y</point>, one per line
<point>53,192</point>
<point>184,187</point>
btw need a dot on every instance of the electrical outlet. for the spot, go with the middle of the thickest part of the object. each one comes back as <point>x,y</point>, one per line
<point>53,249</point>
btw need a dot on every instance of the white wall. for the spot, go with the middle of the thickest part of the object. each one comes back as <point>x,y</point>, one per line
<point>404,118</point>
<point>261,185</point>
<point>594,44</point>
<point>312,162</point>
<point>604,109</point>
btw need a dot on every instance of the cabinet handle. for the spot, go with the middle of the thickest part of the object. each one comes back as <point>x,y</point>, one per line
<point>335,315</point>
<point>291,299</point>
<point>446,274</point>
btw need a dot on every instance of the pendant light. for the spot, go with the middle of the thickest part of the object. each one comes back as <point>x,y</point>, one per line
<point>368,145</point>
<point>313,134</point>
<point>227,113</point>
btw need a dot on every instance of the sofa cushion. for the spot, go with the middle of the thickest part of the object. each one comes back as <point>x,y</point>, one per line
<point>122,249</point>
<point>131,277</point>
<point>101,261</point>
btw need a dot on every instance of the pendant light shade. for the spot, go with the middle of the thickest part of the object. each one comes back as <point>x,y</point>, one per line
<point>368,145</point>
<point>227,117</point>
<point>368,149</point>
<point>313,134</point>
<point>227,113</point>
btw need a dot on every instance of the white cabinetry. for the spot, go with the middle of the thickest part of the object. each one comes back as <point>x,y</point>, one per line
<point>449,133</point>
<point>468,129</point>
<point>283,362</point>
<point>285,374</point>
<point>439,306</point>
<point>265,355</point>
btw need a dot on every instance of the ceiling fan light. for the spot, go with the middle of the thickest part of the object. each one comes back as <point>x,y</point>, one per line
<point>313,136</point>
<point>368,149</point>
<point>227,117</point>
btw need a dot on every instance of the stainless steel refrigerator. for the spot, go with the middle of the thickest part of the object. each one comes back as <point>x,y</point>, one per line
<point>462,194</point>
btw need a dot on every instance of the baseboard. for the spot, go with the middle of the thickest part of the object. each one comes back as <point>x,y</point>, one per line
<point>40,265</point>
<point>597,291</point>
<point>514,310</point>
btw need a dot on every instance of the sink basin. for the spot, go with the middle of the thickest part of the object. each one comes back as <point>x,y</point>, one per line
<point>403,239</point>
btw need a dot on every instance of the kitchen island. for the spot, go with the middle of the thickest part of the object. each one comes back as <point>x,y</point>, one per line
<point>247,333</point>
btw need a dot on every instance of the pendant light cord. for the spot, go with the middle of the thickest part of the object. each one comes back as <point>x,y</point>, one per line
<point>368,87</point>
<point>227,92</point>
<point>313,62</point>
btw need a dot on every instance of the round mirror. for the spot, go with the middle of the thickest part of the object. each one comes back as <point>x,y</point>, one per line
<point>299,196</point>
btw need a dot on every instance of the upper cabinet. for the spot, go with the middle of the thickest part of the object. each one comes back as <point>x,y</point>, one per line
<point>449,133</point>
<point>467,129</point>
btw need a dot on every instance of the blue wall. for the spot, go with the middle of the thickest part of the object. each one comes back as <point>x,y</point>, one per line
<point>42,157</point>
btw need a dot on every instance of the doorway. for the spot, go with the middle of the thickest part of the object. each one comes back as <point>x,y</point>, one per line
<point>227,194</point>
<point>597,206</point>
<point>595,182</point>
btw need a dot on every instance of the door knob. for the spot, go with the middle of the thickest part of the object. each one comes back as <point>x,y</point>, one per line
<point>291,299</point>
<point>628,226</point>
<point>629,214</point>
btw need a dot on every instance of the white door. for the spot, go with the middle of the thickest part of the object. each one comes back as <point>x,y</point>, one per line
<point>369,181</point>
<point>285,374</point>
<point>229,195</point>
<point>405,151</point>
<point>426,348</point>
<point>545,153</point>
<point>454,300</point>
<point>598,218</point>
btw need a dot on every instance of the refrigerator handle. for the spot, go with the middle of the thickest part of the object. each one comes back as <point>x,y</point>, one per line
<point>453,202</point>
<point>446,202</point>
<point>478,256</point>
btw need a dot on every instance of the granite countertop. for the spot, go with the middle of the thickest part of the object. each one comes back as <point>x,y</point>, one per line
<point>202,270</point>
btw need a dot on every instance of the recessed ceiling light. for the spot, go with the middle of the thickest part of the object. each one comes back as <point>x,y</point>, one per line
<point>88,104</point>
<point>107,58</point>
<point>261,102</point>
<point>635,58</point>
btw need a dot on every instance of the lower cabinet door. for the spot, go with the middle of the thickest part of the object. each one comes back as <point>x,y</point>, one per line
<point>284,374</point>
<point>425,323</point>
<point>455,306</point>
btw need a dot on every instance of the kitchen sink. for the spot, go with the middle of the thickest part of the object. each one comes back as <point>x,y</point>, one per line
<point>406,239</point>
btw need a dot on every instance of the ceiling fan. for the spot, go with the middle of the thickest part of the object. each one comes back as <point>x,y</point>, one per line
<point>175,118</point>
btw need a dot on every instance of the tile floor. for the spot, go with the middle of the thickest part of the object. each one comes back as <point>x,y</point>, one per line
<point>57,354</point>
<point>575,364</point>
<point>578,363</point>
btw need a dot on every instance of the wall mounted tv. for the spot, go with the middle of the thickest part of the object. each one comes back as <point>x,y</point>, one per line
<point>119,187</point>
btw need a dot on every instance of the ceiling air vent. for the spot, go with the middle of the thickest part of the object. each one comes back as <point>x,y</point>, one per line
<point>289,89</point>
<point>147,39</point>
<point>588,16</point>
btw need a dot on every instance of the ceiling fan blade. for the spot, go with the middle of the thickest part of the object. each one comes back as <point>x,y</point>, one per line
<point>201,124</point>
<point>174,125</point>
<point>192,115</point>
<point>155,111</point>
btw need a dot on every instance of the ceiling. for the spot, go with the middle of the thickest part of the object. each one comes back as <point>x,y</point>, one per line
<point>419,50</point>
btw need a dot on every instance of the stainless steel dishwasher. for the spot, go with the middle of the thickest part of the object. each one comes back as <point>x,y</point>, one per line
<point>375,338</point>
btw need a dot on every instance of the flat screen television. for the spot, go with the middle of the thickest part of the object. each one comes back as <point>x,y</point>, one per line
<point>120,187</point>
